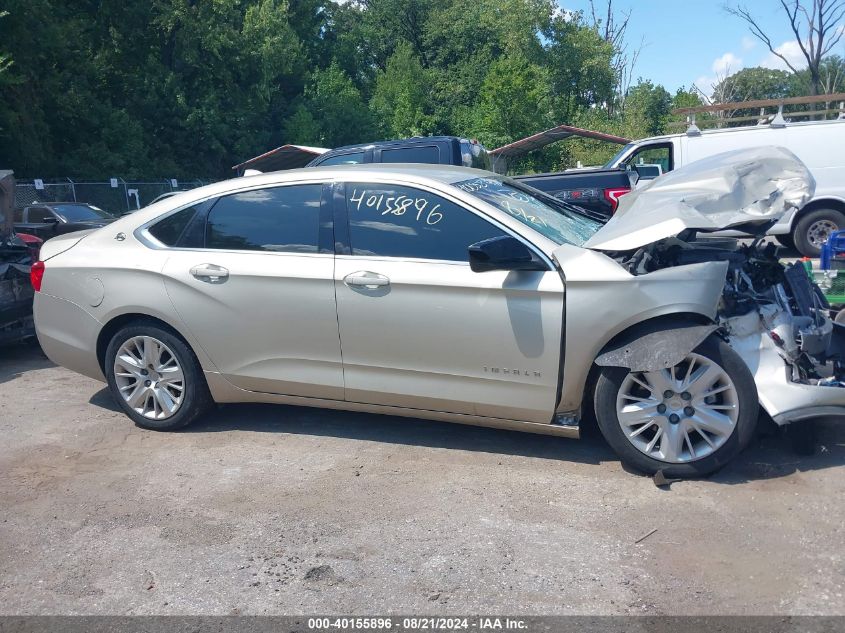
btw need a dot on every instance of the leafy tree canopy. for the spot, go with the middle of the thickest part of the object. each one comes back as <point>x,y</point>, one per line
<point>187,88</point>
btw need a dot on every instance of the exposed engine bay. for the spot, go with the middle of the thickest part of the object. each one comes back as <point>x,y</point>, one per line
<point>765,306</point>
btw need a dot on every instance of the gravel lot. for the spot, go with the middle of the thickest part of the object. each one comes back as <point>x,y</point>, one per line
<point>282,510</point>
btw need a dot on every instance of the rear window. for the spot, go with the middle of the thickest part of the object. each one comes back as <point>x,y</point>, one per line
<point>81,212</point>
<point>429,154</point>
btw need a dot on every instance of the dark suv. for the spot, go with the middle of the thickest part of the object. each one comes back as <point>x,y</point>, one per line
<point>436,150</point>
<point>46,219</point>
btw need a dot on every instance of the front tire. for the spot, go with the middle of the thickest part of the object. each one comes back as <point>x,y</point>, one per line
<point>814,228</point>
<point>688,421</point>
<point>155,377</point>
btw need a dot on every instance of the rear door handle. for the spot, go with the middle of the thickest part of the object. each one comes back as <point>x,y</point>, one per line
<point>210,273</point>
<point>366,279</point>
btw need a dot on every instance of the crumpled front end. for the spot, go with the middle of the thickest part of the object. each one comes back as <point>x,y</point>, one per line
<point>747,190</point>
<point>793,348</point>
<point>773,316</point>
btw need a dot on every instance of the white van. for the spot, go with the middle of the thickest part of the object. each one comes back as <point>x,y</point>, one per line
<point>820,144</point>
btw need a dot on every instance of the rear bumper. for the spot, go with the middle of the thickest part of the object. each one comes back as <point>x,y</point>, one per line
<point>68,334</point>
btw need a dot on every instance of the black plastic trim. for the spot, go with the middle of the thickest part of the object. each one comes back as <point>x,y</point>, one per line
<point>341,220</point>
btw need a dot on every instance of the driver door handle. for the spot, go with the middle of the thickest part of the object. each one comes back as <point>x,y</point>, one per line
<point>366,279</point>
<point>211,273</point>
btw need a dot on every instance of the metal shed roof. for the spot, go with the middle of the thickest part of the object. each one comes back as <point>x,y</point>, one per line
<point>284,157</point>
<point>559,133</point>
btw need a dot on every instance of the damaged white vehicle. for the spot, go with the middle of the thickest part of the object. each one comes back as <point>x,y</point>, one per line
<point>455,294</point>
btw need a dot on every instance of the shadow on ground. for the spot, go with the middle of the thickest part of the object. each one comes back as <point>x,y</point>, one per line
<point>17,359</point>
<point>770,455</point>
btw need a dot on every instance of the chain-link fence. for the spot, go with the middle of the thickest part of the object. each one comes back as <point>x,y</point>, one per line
<point>117,196</point>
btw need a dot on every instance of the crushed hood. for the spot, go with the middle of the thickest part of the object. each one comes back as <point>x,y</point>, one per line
<point>746,187</point>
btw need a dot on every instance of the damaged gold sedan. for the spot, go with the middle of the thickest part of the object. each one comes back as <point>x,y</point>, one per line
<point>460,295</point>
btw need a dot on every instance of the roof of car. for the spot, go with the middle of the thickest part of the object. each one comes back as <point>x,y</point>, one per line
<point>442,173</point>
<point>403,141</point>
<point>407,172</point>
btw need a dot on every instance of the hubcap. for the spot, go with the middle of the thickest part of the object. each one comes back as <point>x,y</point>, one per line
<point>149,377</point>
<point>820,231</point>
<point>679,414</point>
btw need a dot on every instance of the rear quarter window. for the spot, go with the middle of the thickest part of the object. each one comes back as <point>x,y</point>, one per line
<point>170,230</point>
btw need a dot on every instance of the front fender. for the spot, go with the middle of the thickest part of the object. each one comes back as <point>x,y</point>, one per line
<point>603,300</point>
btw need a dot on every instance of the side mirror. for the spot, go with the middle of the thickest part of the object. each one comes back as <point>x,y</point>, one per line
<point>503,253</point>
<point>51,220</point>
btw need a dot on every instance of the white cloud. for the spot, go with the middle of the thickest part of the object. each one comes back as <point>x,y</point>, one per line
<point>723,66</point>
<point>791,50</point>
<point>727,64</point>
<point>566,14</point>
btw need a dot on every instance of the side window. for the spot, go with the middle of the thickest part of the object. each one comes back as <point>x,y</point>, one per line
<point>40,214</point>
<point>343,159</point>
<point>421,154</point>
<point>653,155</point>
<point>169,230</point>
<point>397,221</point>
<point>283,219</point>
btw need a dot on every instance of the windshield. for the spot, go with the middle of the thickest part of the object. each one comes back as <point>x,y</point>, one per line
<point>81,212</point>
<point>561,223</point>
<point>613,162</point>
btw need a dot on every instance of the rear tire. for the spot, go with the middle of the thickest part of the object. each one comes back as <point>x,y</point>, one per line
<point>155,377</point>
<point>672,435</point>
<point>813,229</point>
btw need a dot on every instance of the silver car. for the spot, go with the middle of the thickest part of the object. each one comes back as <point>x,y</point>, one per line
<point>459,295</point>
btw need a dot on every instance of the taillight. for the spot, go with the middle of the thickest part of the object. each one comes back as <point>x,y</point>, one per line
<point>36,275</point>
<point>613,195</point>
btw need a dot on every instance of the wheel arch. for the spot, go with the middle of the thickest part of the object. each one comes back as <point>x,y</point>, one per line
<point>815,204</point>
<point>116,323</point>
<point>637,331</point>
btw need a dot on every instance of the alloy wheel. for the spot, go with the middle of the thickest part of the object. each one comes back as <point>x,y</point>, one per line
<point>680,414</point>
<point>149,377</point>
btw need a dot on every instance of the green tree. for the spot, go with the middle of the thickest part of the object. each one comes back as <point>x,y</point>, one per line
<point>647,108</point>
<point>5,58</point>
<point>339,114</point>
<point>759,83</point>
<point>188,88</point>
<point>402,97</point>
<point>513,103</point>
<point>580,65</point>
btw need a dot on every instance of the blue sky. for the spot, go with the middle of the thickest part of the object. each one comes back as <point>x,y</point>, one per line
<point>694,41</point>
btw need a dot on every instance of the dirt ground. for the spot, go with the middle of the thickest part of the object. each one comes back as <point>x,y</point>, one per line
<point>282,510</point>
